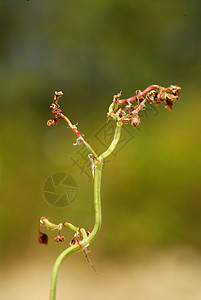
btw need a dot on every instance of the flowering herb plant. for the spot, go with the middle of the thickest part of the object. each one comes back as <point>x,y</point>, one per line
<point>122,111</point>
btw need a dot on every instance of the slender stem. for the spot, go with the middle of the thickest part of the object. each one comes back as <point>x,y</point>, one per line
<point>45,221</point>
<point>86,240</point>
<point>90,148</point>
<point>73,127</point>
<point>97,200</point>
<point>113,144</point>
<point>80,137</point>
<point>149,88</point>
<point>98,163</point>
<point>56,267</point>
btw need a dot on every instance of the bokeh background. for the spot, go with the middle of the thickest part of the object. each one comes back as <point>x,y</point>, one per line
<point>150,241</point>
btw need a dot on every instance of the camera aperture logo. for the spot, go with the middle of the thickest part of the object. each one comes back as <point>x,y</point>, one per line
<point>60,189</point>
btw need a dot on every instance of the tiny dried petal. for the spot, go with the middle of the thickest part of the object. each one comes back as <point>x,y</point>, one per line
<point>126,120</point>
<point>161,95</point>
<point>139,97</point>
<point>120,112</point>
<point>59,93</point>
<point>59,238</point>
<point>78,141</point>
<point>56,111</point>
<point>74,241</point>
<point>151,96</point>
<point>43,238</point>
<point>117,97</point>
<point>174,89</point>
<point>135,121</point>
<point>158,99</point>
<point>172,97</point>
<point>168,104</point>
<point>51,122</point>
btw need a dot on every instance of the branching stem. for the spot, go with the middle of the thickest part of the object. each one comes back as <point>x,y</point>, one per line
<point>98,163</point>
<point>82,238</point>
<point>133,98</point>
<point>114,142</point>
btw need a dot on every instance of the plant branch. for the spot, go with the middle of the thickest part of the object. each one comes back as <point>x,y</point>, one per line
<point>97,200</point>
<point>113,143</point>
<point>45,221</point>
<point>134,98</point>
<point>59,115</point>
<point>129,113</point>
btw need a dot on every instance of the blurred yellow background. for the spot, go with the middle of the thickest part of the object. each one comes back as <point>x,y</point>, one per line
<point>151,196</point>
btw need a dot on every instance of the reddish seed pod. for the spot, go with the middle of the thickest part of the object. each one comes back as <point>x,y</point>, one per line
<point>43,238</point>
<point>73,241</point>
<point>51,122</point>
<point>59,238</point>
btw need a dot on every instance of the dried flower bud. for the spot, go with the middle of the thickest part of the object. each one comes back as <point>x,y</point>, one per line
<point>168,95</point>
<point>151,96</point>
<point>159,97</point>
<point>56,110</point>
<point>117,97</point>
<point>43,238</point>
<point>135,121</point>
<point>172,96</point>
<point>79,141</point>
<point>139,97</point>
<point>59,238</point>
<point>168,104</point>
<point>120,113</point>
<point>59,93</point>
<point>52,122</point>
<point>57,96</point>
<point>74,241</point>
<point>174,89</point>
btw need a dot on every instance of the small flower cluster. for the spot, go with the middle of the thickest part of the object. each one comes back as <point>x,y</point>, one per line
<point>167,95</point>
<point>43,238</point>
<point>55,109</point>
<point>77,238</point>
<point>59,115</point>
<point>124,112</point>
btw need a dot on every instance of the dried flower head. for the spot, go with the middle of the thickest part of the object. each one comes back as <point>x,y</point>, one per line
<point>122,111</point>
<point>59,238</point>
<point>74,241</point>
<point>43,238</point>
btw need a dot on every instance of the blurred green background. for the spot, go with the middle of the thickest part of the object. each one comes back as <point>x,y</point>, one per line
<point>91,50</point>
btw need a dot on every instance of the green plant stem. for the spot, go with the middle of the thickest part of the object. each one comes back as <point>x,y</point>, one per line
<point>45,221</point>
<point>90,149</point>
<point>97,200</point>
<point>56,267</point>
<point>98,163</point>
<point>114,142</point>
